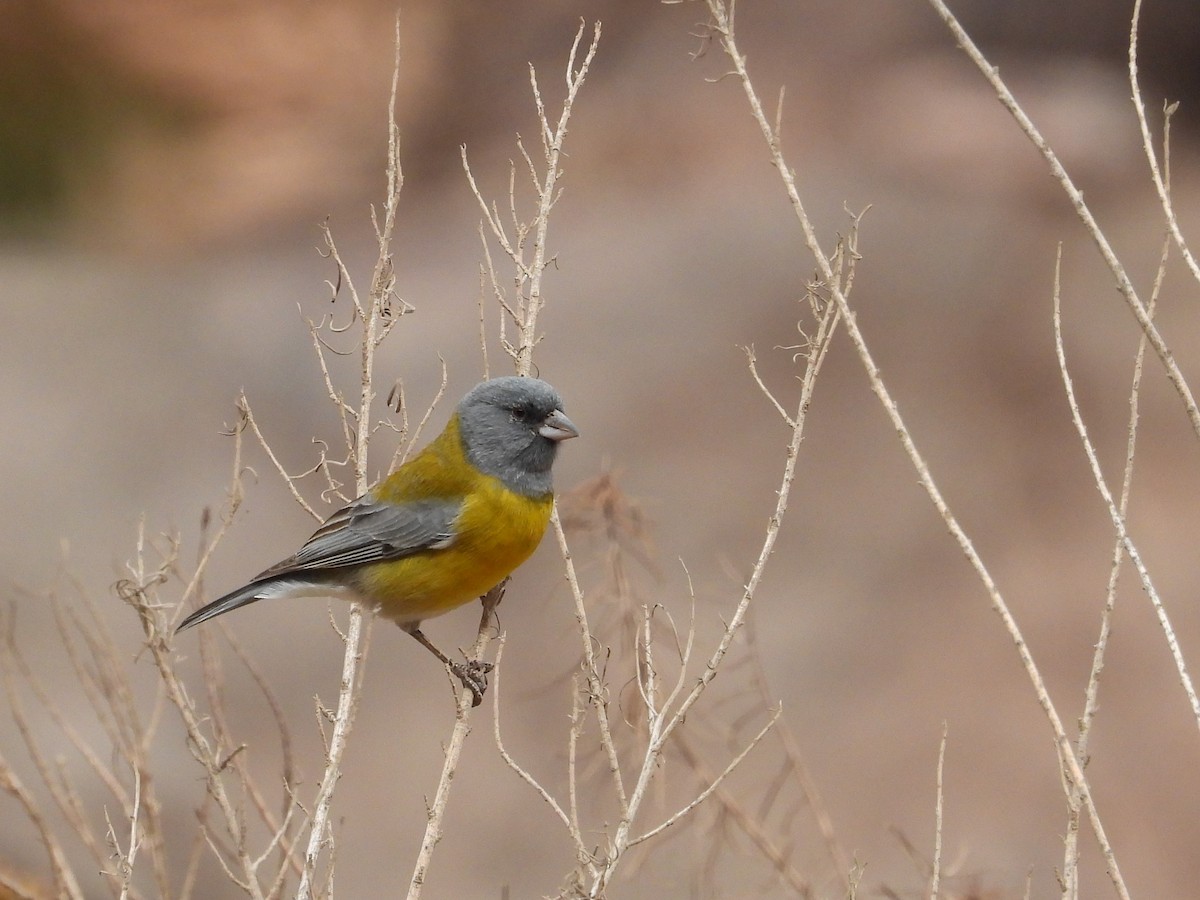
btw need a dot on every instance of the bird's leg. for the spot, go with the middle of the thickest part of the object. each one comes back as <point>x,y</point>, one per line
<point>472,674</point>
<point>491,600</point>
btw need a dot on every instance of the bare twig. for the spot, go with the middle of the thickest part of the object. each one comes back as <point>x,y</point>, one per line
<point>462,726</point>
<point>528,272</point>
<point>1118,520</point>
<point>722,25</point>
<point>247,420</point>
<point>65,882</point>
<point>1124,285</point>
<point>666,712</point>
<point>1161,181</point>
<point>139,592</point>
<point>528,280</point>
<point>505,755</point>
<point>1070,874</point>
<point>777,856</point>
<point>797,767</point>
<point>378,317</point>
<point>714,782</point>
<point>935,878</point>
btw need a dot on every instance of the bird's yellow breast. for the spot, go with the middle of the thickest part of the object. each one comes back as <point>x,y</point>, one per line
<point>496,530</point>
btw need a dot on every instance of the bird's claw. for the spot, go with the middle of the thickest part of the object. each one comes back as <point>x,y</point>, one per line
<point>473,675</point>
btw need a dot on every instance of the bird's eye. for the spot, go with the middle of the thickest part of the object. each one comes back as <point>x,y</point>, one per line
<point>520,414</point>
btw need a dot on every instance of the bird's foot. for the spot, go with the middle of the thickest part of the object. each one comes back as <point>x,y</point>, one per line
<point>473,675</point>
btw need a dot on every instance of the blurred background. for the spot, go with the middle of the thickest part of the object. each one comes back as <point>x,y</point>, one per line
<point>164,169</point>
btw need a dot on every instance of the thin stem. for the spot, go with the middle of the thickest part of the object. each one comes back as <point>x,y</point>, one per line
<point>723,26</point>
<point>376,322</point>
<point>1119,521</point>
<point>1124,285</point>
<point>1161,182</point>
<point>935,878</point>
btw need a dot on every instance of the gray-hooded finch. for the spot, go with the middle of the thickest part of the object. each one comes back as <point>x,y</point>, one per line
<point>444,528</point>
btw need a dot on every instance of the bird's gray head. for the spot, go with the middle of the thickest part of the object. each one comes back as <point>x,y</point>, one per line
<point>511,428</point>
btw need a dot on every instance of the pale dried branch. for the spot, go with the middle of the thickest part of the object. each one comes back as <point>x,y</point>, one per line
<point>578,710</point>
<point>504,754</point>
<point>65,882</point>
<point>935,877</point>
<point>277,825</point>
<point>101,770</point>
<point>661,724</point>
<point>597,689</point>
<point>347,414</point>
<point>1070,874</point>
<point>462,726</point>
<point>343,278</point>
<point>235,494</point>
<point>377,318</point>
<point>723,28</point>
<point>527,277</point>
<point>57,783</point>
<point>1115,515</point>
<point>1161,181</point>
<point>713,783</point>
<point>545,182</point>
<point>127,857</point>
<point>752,362</point>
<point>247,420</point>
<point>796,767</point>
<point>137,591</point>
<point>1124,285</point>
<point>405,447</point>
<point>750,826</point>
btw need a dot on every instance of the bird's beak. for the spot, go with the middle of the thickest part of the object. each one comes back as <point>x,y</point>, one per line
<point>557,427</point>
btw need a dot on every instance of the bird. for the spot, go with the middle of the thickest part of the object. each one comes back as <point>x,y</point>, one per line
<point>444,528</point>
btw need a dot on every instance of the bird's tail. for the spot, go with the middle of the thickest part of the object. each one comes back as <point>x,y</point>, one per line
<point>241,597</point>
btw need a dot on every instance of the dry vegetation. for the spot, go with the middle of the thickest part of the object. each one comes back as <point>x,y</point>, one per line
<point>650,728</point>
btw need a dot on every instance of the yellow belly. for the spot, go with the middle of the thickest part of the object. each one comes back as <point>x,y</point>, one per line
<point>496,532</point>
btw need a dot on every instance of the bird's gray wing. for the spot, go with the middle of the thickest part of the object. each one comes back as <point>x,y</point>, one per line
<point>368,531</point>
